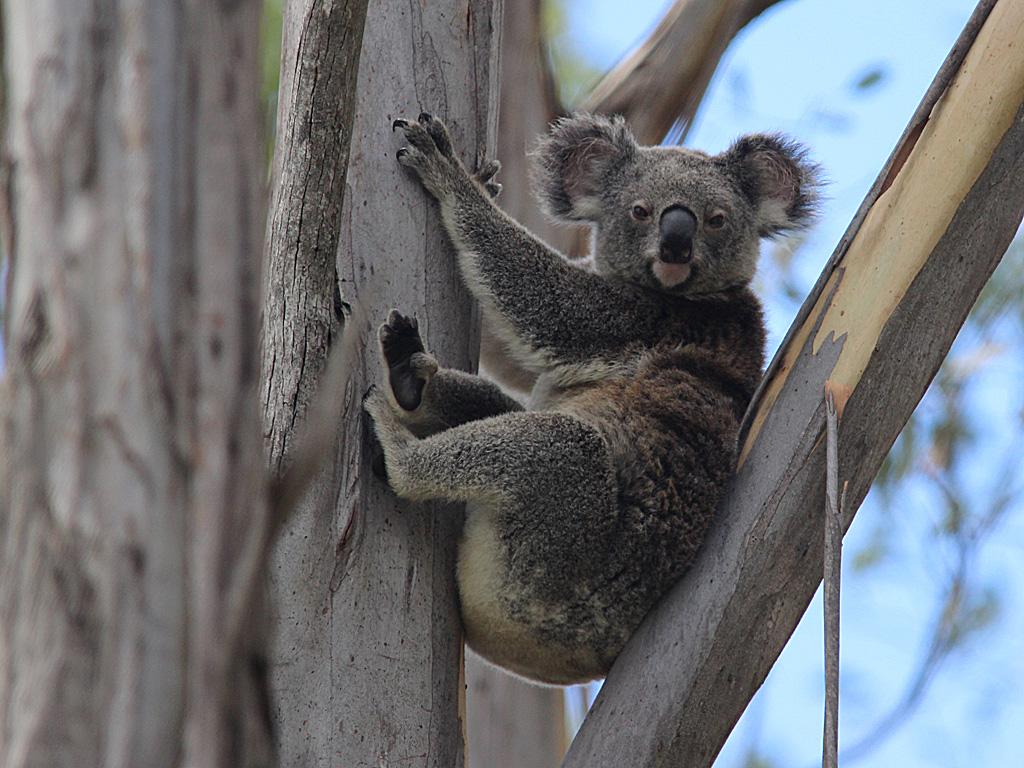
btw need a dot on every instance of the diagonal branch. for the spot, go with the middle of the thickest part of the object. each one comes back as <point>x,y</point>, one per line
<point>878,325</point>
<point>661,83</point>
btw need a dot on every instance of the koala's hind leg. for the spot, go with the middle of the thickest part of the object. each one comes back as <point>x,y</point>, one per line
<point>427,398</point>
<point>525,457</point>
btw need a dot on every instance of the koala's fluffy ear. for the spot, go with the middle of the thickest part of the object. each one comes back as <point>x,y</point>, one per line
<point>776,176</point>
<point>570,163</point>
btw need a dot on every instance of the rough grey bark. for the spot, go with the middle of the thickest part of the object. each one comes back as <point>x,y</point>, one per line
<point>321,41</point>
<point>367,647</point>
<point>686,676</point>
<point>133,493</point>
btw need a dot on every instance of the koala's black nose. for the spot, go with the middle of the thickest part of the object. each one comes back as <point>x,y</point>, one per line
<point>678,225</point>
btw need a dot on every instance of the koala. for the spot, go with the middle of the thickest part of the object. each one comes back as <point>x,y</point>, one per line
<point>586,505</point>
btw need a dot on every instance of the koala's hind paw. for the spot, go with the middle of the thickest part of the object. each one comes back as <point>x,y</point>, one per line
<point>410,367</point>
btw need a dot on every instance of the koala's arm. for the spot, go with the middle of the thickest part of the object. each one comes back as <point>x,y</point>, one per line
<point>452,398</point>
<point>545,309</point>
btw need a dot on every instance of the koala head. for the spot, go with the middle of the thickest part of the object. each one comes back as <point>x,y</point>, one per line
<point>669,218</point>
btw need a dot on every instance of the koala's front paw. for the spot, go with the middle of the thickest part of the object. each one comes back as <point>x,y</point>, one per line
<point>485,177</point>
<point>429,153</point>
<point>410,367</point>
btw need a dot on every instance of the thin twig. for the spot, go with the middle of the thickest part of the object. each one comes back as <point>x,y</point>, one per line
<point>284,491</point>
<point>321,424</point>
<point>833,560</point>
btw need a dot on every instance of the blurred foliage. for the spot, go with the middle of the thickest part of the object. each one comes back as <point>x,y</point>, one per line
<point>573,76</point>
<point>959,459</point>
<point>941,431</point>
<point>870,78</point>
<point>757,760</point>
<point>270,67</point>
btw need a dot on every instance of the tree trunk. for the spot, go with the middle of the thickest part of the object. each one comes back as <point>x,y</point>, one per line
<point>512,723</point>
<point>367,647</point>
<point>133,495</point>
<point>877,327</point>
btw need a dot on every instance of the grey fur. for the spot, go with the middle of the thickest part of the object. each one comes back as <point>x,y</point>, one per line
<point>585,508</point>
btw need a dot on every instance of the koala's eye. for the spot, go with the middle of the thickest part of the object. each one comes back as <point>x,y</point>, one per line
<point>716,221</point>
<point>641,212</point>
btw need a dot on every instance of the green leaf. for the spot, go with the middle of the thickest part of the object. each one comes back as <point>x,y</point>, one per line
<point>871,78</point>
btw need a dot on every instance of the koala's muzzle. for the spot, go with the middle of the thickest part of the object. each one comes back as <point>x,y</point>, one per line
<point>678,226</point>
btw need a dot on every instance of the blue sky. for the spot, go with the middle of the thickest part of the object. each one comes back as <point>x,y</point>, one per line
<point>795,70</point>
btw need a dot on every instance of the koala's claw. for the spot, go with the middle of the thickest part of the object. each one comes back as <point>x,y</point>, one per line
<point>485,175</point>
<point>410,367</point>
<point>426,134</point>
<point>487,171</point>
<point>399,322</point>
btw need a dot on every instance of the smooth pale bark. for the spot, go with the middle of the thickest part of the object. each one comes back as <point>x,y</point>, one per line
<point>512,723</point>
<point>367,645</point>
<point>877,326</point>
<point>133,495</point>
